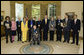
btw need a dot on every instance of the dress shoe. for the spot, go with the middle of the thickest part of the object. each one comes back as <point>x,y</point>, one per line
<point>64,41</point>
<point>6,42</point>
<point>76,44</point>
<point>72,43</point>
<point>25,41</point>
<point>56,40</point>
<point>22,42</point>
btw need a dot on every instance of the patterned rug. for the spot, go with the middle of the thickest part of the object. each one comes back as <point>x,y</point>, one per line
<point>36,49</point>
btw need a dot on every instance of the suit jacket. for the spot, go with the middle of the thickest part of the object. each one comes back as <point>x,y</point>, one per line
<point>18,24</point>
<point>68,27</point>
<point>5,22</point>
<point>45,26</point>
<point>32,32</point>
<point>29,23</point>
<point>39,23</point>
<point>76,26</point>
<point>58,24</point>
<point>50,25</point>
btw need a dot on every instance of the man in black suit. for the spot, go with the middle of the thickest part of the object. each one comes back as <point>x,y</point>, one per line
<point>39,26</point>
<point>35,35</point>
<point>75,29</point>
<point>34,18</point>
<point>66,28</point>
<point>45,24</point>
<point>59,28</point>
<point>31,22</point>
<point>18,24</point>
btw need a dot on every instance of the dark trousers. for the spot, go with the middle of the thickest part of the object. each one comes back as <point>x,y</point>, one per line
<point>19,35</point>
<point>59,35</point>
<point>66,36</point>
<point>52,35</point>
<point>40,34</point>
<point>76,34</point>
<point>29,35</point>
<point>8,32</point>
<point>36,39</point>
<point>45,35</point>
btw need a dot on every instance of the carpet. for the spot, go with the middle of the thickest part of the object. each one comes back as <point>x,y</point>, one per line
<point>36,49</point>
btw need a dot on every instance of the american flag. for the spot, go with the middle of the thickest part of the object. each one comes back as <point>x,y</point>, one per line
<point>46,11</point>
<point>26,13</point>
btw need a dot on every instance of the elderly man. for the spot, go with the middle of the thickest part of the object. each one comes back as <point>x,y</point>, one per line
<point>31,23</point>
<point>18,24</point>
<point>75,29</point>
<point>59,28</point>
<point>35,35</point>
<point>66,28</point>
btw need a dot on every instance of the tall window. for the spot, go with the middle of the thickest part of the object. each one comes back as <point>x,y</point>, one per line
<point>19,13</point>
<point>36,11</point>
<point>52,10</point>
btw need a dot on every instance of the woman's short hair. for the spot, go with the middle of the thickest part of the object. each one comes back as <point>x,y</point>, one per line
<point>7,17</point>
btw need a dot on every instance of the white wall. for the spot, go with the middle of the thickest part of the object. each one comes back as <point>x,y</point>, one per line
<point>72,6</point>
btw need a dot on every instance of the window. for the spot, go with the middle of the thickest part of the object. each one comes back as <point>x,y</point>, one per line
<point>52,10</point>
<point>36,11</point>
<point>19,11</point>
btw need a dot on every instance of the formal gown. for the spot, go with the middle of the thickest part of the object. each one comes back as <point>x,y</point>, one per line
<point>24,29</point>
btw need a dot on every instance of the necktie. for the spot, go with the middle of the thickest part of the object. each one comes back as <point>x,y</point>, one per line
<point>45,21</point>
<point>39,23</point>
<point>31,22</point>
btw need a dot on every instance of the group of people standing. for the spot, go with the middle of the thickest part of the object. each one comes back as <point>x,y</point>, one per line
<point>27,28</point>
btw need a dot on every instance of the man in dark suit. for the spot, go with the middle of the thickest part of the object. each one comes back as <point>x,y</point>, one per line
<point>45,24</point>
<point>18,24</point>
<point>31,22</point>
<point>34,18</point>
<point>39,25</point>
<point>59,28</point>
<point>75,29</point>
<point>66,28</point>
<point>35,35</point>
